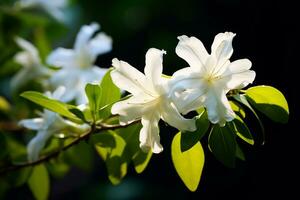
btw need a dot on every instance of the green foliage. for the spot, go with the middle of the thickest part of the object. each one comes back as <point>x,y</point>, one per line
<point>51,104</point>
<point>239,153</point>
<point>237,108</point>
<point>222,144</point>
<point>94,94</point>
<point>39,183</point>
<point>188,164</point>
<point>189,139</point>
<point>242,130</point>
<point>269,101</point>
<point>111,94</point>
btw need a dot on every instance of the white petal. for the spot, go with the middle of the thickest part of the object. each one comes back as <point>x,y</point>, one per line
<point>27,46</point>
<point>21,78</point>
<point>171,115</point>
<point>62,57</point>
<point>59,92</point>
<point>84,35</point>
<point>154,66</point>
<point>222,47</point>
<point>37,144</point>
<point>33,124</point>
<point>131,109</point>
<point>128,78</point>
<point>100,44</point>
<point>192,51</point>
<point>149,134</point>
<point>238,74</point>
<point>218,107</point>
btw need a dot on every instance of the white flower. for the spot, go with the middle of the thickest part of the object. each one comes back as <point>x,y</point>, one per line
<point>54,7</point>
<point>32,68</point>
<point>150,100</point>
<point>209,77</point>
<point>48,124</point>
<point>77,64</point>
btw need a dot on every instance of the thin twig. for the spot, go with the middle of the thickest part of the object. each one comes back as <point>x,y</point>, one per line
<point>94,130</point>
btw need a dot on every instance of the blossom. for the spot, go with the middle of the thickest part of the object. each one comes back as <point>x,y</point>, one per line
<point>77,64</point>
<point>150,100</point>
<point>210,77</point>
<point>46,125</point>
<point>29,59</point>
<point>53,7</point>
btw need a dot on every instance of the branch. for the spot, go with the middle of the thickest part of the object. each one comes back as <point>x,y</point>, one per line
<point>94,130</point>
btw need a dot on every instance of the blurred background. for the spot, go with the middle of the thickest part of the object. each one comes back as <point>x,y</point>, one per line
<point>266,34</point>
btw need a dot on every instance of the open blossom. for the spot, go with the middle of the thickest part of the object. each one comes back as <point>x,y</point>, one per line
<point>209,77</point>
<point>46,125</point>
<point>29,59</point>
<point>77,64</point>
<point>54,7</point>
<point>150,100</point>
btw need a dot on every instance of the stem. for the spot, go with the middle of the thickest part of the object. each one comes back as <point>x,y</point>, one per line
<point>94,130</point>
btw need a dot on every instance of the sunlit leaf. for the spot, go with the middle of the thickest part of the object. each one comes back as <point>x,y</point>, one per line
<point>222,143</point>
<point>237,108</point>
<point>269,101</point>
<point>242,99</point>
<point>51,104</point>
<point>94,94</point>
<point>242,130</point>
<point>188,164</point>
<point>141,160</point>
<point>189,139</point>
<point>39,182</point>
<point>111,94</point>
<point>4,105</point>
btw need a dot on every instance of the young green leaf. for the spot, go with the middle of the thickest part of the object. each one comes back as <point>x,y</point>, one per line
<point>242,130</point>
<point>51,104</point>
<point>188,164</point>
<point>242,99</point>
<point>237,108</point>
<point>39,182</point>
<point>141,160</point>
<point>269,101</point>
<point>222,143</point>
<point>94,94</point>
<point>111,94</point>
<point>189,139</point>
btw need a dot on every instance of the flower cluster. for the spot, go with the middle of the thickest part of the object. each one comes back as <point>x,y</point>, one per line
<point>204,83</point>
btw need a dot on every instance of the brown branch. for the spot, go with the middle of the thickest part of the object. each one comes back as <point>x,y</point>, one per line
<point>94,130</point>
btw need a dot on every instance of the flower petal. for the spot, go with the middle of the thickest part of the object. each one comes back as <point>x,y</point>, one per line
<point>131,109</point>
<point>84,35</point>
<point>170,114</point>
<point>153,69</point>
<point>218,107</point>
<point>149,134</point>
<point>100,44</point>
<point>33,124</point>
<point>59,92</point>
<point>192,51</point>
<point>37,144</point>
<point>128,78</point>
<point>28,47</point>
<point>222,47</point>
<point>62,57</point>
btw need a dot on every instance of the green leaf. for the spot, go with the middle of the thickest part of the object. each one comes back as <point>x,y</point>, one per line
<point>188,164</point>
<point>189,139</point>
<point>51,104</point>
<point>4,105</point>
<point>39,182</point>
<point>78,113</point>
<point>239,153</point>
<point>115,159</point>
<point>242,99</point>
<point>141,160</point>
<point>111,94</point>
<point>242,130</point>
<point>94,93</point>
<point>103,139</point>
<point>222,143</point>
<point>269,101</point>
<point>237,108</point>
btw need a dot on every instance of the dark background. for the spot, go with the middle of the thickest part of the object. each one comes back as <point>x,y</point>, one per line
<point>266,34</point>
